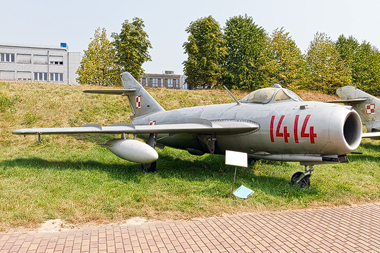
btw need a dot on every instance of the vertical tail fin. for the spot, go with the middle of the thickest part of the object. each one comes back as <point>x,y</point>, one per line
<point>141,101</point>
<point>365,104</point>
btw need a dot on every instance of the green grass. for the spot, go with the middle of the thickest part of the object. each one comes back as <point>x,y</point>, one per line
<point>74,179</point>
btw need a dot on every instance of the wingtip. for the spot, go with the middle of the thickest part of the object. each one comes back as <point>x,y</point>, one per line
<point>20,131</point>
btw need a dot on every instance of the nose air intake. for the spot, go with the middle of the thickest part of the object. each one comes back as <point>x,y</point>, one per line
<point>352,130</point>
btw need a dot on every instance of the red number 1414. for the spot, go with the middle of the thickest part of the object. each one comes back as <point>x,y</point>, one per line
<point>286,135</point>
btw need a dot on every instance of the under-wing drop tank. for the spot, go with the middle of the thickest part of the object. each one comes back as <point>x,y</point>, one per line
<point>132,150</point>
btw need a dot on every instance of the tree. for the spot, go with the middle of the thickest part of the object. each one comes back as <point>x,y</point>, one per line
<point>287,64</point>
<point>326,71</point>
<point>245,43</point>
<point>363,61</point>
<point>132,47</point>
<point>366,69</point>
<point>204,49</point>
<point>347,49</point>
<point>98,63</point>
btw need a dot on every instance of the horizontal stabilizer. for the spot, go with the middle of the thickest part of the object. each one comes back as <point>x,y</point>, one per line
<point>111,91</point>
<point>348,101</point>
<point>142,103</point>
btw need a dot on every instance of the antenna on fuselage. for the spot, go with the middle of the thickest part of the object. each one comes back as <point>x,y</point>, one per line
<point>237,102</point>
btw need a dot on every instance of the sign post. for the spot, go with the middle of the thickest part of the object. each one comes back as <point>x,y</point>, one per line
<point>233,183</point>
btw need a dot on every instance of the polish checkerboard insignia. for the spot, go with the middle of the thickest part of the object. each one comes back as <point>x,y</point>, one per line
<point>138,102</point>
<point>370,108</point>
<point>153,122</point>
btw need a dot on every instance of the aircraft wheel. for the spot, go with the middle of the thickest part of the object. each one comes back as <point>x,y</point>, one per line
<point>305,182</point>
<point>295,177</point>
<point>149,167</point>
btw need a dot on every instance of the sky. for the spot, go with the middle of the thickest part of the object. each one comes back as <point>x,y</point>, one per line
<point>50,22</point>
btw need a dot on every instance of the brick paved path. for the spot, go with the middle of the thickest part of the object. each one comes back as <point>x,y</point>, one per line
<point>345,229</point>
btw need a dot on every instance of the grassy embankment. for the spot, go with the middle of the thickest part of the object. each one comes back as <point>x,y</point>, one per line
<point>79,181</point>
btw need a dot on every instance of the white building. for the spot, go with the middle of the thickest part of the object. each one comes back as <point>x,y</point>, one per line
<point>39,63</point>
<point>167,79</point>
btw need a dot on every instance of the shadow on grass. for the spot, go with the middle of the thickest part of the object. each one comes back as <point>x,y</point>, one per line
<point>370,153</point>
<point>116,170</point>
<point>210,169</point>
<point>213,167</point>
<point>201,169</point>
<point>371,146</point>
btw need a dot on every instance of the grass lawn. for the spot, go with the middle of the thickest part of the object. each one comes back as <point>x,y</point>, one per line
<point>74,179</point>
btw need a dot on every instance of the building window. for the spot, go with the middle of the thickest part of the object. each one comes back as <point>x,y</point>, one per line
<point>56,77</point>
<point>24,75</point>
<point>7,57</point>
<point>175,83</point>
<point>170,83</point>
<point>162,82</point>
<point>40,59</point>
<point>24,58</point>
<point>56,60</point>
<point>40,76</point>
<point>155,82</point>
<point>7,75</point>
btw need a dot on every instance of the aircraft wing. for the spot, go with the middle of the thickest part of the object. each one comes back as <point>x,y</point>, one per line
<point>374,135</point>
<point>200,126</point>
<point>348,101</point>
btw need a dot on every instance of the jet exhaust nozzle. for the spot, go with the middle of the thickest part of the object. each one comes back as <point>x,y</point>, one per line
<point>132,150</point>
<point>345,132</point>
<point>352,130</point>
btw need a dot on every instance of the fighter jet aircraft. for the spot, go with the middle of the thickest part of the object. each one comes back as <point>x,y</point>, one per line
<point>270,123</point>
<point>367,107</point>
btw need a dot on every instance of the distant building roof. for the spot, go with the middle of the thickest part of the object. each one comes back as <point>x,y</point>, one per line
<point>33,46</point>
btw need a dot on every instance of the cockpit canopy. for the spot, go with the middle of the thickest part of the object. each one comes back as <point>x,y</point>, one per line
<point>267,95</point>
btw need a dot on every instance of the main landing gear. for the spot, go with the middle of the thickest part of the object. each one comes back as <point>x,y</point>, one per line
<point>149,167</point>
<point>302,178</point>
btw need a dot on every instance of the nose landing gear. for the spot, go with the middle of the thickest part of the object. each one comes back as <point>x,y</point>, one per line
<point>302,178</point>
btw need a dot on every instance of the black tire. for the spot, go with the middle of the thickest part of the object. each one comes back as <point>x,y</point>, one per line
<point>295,177</point>
<point>305,182</point>
<point>149,167</point>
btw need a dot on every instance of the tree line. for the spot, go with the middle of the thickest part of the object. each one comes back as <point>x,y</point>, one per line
<point>240,55</point>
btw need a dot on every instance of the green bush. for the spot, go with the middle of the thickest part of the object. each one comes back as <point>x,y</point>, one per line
<point>6,101</point>
<point>31,117</point>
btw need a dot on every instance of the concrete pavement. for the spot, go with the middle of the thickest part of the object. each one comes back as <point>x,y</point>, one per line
<point>341,229</point>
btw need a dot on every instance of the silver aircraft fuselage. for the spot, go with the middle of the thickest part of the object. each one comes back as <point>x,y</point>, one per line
<point>286,127</point>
